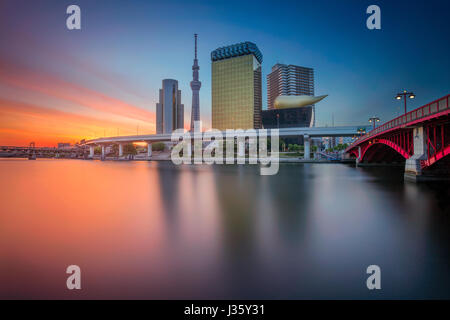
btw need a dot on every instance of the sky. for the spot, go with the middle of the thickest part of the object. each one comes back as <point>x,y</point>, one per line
<point>60,85</point>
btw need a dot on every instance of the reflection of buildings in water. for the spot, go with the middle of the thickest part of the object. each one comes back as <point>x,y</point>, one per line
<point>263,223</point>
<point>192,215</point>
<point>168,177</point>
<point>236,198</point>
<point>238,202</point>
<point>291,204</point>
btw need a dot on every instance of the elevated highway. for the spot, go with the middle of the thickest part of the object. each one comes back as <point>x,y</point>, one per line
<point>307,133</point>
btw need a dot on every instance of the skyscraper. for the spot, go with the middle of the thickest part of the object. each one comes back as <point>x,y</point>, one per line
<point>169,110</point>
<point>289,80</point>
<point>236,87</point>
<point>195,86</point>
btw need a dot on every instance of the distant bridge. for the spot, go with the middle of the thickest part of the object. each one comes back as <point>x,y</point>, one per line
<point>307,133</point>
<point>42,152</point>
<point>420,138</point>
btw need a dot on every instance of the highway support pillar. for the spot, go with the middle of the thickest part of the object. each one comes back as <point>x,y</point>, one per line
<point>307,148</point>
<point>241,150</point>
<point>120,150</point>
<point>103,152</point>
<point>149,150</point>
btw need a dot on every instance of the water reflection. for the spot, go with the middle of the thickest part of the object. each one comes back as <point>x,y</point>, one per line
<point>155,230</point>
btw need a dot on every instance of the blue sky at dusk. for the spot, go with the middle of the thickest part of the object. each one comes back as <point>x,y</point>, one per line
<point>105,78</point>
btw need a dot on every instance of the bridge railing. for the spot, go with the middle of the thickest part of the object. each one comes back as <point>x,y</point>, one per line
<point>423,112</point>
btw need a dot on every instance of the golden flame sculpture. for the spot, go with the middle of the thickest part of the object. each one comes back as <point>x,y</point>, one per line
<point>285,102</point>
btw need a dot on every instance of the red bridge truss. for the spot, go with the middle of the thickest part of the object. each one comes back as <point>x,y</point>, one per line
<point>421,137</point>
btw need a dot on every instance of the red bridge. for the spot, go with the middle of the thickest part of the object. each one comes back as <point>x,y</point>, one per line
<point>420,139</point>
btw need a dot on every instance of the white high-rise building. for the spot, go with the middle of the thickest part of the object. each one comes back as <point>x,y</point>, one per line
<point>169,110</point>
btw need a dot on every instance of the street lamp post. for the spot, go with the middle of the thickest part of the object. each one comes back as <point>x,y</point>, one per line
<point>373,120</point>
<point>405,94</point>
<point>361,131</point>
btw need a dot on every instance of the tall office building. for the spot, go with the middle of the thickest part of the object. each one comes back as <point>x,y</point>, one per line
<point>195,86</point>
<point>169,110</point>
<point>236,87</point>
<point>289,80</point>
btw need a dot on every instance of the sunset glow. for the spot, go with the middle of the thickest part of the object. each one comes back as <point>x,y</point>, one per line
<point>60,111</point>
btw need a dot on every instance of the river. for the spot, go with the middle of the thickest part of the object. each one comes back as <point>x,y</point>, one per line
<point>153,230</point>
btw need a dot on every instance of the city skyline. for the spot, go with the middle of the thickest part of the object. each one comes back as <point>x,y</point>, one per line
<point>61,85</point>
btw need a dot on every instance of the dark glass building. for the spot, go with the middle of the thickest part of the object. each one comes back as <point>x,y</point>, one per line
<point>288,118</point>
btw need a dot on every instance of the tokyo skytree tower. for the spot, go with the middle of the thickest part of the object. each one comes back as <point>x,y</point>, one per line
<point>195,86</point>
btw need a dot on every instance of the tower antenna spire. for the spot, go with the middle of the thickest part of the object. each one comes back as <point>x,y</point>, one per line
<point>195,86</point>
<point>195,35</point>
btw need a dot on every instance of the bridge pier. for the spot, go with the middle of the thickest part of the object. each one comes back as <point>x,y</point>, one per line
<point>359,157</point>
<point>413,168</point>
<point>307,148</point>
<point>91,151</point>
<point>120,150</point>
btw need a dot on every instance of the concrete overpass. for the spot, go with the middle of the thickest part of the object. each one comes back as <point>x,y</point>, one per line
<point>307,133</point>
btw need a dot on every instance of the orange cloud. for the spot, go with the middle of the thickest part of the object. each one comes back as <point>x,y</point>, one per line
<point>44,83</point>
<point>21,123</point>
<point>93,113</point>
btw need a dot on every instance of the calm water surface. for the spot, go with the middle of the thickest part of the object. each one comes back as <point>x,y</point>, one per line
<point>155,230</point>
